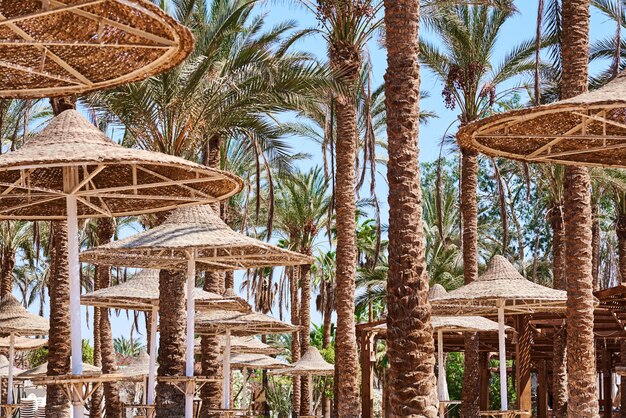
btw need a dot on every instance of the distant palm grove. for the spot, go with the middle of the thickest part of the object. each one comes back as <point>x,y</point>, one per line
<point>328,152</point>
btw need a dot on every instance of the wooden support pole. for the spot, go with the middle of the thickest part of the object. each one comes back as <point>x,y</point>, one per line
<point>523,363</point>
<point>607,384</point>
<point>485,375</point>
<point>367,370</point>
<point>542,390</point>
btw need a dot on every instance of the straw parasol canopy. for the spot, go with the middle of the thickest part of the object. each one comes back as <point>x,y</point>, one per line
<point>218,247</point>
<point>589,129</point>
<point>71,156</point>
<point>240,324</point>
<point>257,362</point>
<point>4,367</point>
<point>500,282</point>
<point>310,364</point>
<point>15,319</point>
<point>41,371</point>
<point>436,291</point>
<point>138,368</point>
<point>23,343</point>
<point>141,293</point>
<point>63,47</point>
<point>455,324</point>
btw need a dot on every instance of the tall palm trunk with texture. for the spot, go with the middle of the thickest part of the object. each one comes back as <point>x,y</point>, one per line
<point>470,407</point>
<point>620,230</point>
<point>6,271</point>
<point>410,345</point>
<point>59,349</point>
<point>170,402</point>
<point>294,279</point>
<point>581,359</point>
<point>211,393</point>
<point>346,60</point>
<point>559,357</point>
<point>95,403</point>
<point>113,405</point>
<point>305,333</point>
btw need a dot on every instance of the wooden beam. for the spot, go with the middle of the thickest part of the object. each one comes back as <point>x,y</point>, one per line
<point>542,390</point>
<point>523,363</point>
<point>367,378</point>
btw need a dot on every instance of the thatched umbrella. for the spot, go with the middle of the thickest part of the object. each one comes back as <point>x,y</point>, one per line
<point>588,129</point>
<point>16,320</point>
<point>41,371</point>
<point>500,289</point>
<point>238,324</point>
<point>141,293</point>
<point>310,364</point>
<point>71,170</point>
<point>245,345</point>
<point>249,361</point>
<point>23,343</point>
<point>189,237</point>
<point>110,42</point>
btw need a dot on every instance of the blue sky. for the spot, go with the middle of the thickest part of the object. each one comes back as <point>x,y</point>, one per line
<point>517,29</point>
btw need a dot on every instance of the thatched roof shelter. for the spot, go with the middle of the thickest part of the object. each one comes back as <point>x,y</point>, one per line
<point>589,129</point>
<point>454,324</point>
<point>141,293</point>
<point>240,324</point>
<point>15,319</point>
<point>500,283</point>
<point>41,371</point>
<point>110,42</point>
<point>217,246</point>
<point>137,369</point>
<point>5,367</point>
<point>310,364</point>
<point>246,345</point>
<point>108,180</point>
<point>257,362</point>
<point>23,343</point>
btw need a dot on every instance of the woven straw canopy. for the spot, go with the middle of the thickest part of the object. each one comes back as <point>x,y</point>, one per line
<point>436,291</point>
<point>310,364</point>
<point>72,157</point>
<point>141,293</point>
<point>589,129</point>
<point>63,47</point>
<point>257,362</point>
<point>241,324</point>
<point>4,367</point>
<point>137,369</point>
<point>500,282</point>
<point>244,345</point>
<point>198,228</point>
<point>15,319</point>
<point>456,324</point>
<point>23,343</point>
<point>41,371</point>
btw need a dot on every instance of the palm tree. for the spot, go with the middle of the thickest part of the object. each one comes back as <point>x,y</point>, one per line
<point>469,34</point>
<point>302,203</point>
<point>581,370</point>
<point>346,26</point>
<point>13,235</point>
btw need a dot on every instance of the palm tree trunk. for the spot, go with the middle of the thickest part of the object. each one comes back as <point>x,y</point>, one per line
<point>620,230</point>
<point>170,402</point>
<point>106,230</point>
<point>95,404</point>
<point>296,398</point>
<point>326,338</point>
<point>581,358</point>
<point>305,333</point>
<point>59,350</point>
<point>345,59</point>
<point>6,279</point>
<point>469,215</point>
<point>595,247</point>
<point>211,359</point>
<point>558,246</point>
<point>410,344</point>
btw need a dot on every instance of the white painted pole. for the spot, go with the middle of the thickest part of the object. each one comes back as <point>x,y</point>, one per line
<point>226,382</point>
<point>74,272</point>
<point>191,308</point>
<point>11,365</point>
<point>153,355</point>
<point>502,353</point>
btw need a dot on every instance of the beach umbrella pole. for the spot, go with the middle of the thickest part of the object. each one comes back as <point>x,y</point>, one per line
<point>153,354</point>
<point>11,363</point>
<point>74,273</point>
<point>191,284</point>
<point>502,355</point>
<point>226,383</point>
